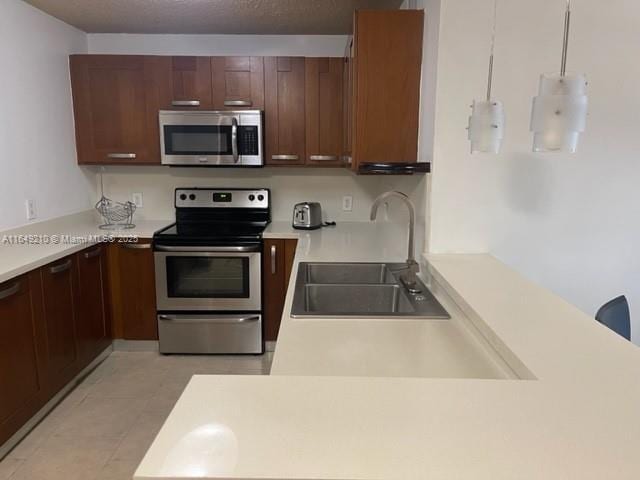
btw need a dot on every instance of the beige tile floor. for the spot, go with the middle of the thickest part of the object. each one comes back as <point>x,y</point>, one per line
<point>101,430</point>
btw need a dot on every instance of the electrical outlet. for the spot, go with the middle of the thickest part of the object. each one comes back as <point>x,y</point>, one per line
<point>136,198</point>
<point>30,204</point>
<point>347,203</point>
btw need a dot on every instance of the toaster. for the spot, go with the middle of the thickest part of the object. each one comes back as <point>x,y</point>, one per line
<point>307,216</point>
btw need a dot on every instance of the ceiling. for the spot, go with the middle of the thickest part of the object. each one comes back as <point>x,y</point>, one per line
<point>283,17</point>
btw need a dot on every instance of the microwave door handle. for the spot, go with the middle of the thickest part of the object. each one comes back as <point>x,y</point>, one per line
<point>234,139</point>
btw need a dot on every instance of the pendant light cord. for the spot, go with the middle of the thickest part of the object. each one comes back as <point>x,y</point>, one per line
<point>493,46</point>
<point>565,40</point>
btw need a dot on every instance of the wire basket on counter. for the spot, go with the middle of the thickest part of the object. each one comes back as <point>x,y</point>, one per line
<point>117,215</point>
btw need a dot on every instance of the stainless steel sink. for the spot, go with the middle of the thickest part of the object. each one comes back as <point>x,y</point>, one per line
<point>352,290</point>
<point>360,273</point>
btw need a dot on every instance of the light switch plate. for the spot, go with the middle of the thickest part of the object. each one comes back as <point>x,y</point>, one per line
<point>30,205</point>
<point>347,203</point>
<point>136,198</point>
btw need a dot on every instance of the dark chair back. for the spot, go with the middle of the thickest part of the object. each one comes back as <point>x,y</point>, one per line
<point>615,315</point>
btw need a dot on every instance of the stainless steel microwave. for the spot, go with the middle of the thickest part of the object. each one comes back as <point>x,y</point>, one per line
<point>211,138</point>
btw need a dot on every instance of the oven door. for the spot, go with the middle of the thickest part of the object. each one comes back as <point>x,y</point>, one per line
<point>208,278</point>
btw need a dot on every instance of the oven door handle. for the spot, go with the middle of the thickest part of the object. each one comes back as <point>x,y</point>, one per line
<point>209,318</point>
<point>239,248</point>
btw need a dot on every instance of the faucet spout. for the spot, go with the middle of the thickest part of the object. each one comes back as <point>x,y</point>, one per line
<point>409,278</point>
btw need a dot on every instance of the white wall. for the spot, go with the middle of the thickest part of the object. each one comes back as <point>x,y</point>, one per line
<point>38,159</point>
<point>569,222</point>
<point>259,45</point>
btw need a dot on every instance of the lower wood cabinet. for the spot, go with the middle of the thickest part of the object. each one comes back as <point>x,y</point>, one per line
<point>59,298</point>
<point>133,291</point>
<point>276,270</point>
<point>21,384</point>
<point>93,324</point>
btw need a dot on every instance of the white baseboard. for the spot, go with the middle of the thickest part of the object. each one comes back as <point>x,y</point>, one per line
<point>7,446</point>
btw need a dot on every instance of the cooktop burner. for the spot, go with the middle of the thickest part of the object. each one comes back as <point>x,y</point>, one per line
<point>207,216</point>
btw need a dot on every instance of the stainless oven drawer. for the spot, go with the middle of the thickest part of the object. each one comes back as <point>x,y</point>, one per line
<point>209,333</point>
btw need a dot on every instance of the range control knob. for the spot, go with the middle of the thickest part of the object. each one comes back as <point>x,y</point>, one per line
<point>183,196</point>
<point>252,197</point>
<point>261,197</point>
<point>192,196</point>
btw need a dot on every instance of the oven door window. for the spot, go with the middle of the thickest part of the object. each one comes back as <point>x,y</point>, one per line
<point>207,277</point>
<point>197,140</point>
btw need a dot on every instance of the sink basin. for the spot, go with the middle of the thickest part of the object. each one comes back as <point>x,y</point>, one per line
<point>356,299</point>
<point>342,273</point>
<point>360,290</point>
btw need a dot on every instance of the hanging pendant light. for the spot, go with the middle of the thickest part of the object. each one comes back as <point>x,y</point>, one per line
<point>559,113</point>
<point>486,123</point>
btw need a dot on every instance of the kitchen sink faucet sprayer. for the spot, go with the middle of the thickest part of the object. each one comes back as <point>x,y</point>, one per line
<point>408,278</point>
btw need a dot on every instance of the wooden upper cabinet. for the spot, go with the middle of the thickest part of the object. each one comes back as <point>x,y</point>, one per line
<point>284,110</point>
<point>185,82</point>
<point>347,100</point>
<point>116,107</point>
<point>388,58</point>
<point>238,83</point>
<point>323,110</point>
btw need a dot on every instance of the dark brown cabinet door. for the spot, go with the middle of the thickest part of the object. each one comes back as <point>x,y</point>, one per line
<point>116,106</point>
<point>93,325</point>
<point>58,287</point>
<point>323,109</point>
<point>284,110</point>
<point>388,58</point>
<point>185,82</point>
<point>238,83</point>
<point>276,269</point>
<point>347,101</point>
<point>20,382</point>
<point>133,291</point>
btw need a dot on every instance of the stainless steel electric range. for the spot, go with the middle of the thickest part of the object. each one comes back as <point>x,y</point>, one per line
<point>209,272</point>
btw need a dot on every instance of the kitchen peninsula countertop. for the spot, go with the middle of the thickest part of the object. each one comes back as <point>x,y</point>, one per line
<point>568,408</point>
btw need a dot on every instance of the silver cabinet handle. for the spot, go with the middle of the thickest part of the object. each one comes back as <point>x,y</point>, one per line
<point>237,103</point>
<point>234,139</point>
<point>8,292</point>
<point>93,253</point>
<point>208,318</point>
<point>63,267</point>
<point>323,158</point>
<point>137,246</point>
<point>185,103</point>
<point>284,157</point>
<point>121,155</point>
<point>273,259</point>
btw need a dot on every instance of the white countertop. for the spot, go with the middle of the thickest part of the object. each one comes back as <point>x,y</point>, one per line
<point>575,412</point>
<point>27,248</point>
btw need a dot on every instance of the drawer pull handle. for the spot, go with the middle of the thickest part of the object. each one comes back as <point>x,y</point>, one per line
<point>273,259</point>
<point>284,157</point>
<point>122,155</point>
<point>323,158</point>
<point>186,103</point>
<point>237,103</point>
<point>9,292</point>
<point>137,246</point>
<point>63,267</point>
<point>93,253</point>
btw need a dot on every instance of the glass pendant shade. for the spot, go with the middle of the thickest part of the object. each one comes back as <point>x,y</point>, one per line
<point>559,113</point>
<point>486,126</point>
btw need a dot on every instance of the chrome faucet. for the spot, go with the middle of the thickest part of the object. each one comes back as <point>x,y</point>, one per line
<point>408,278</point>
